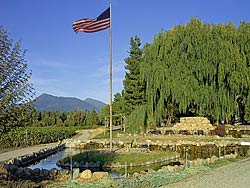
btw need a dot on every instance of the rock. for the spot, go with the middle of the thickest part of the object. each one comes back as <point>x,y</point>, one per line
<point>143,172</point>
<point>164,168</point>
<point>44,173</point>
<point>76,173</point>
<point>63,174</point>
<point>233,156</point>
<point>170,168</point>
<point>195,163</point>
<point>76,164</point>
<point>86,165</point>
<point>11,161</point>
<point>136,175</point>
<point>92,165</point>
<point>121,143</point>
<point>19,172</point>
<point>213,159</point>
<point>151,170</point>
<point>27,172</point>
<point>99,175</point>
<point>53,172</point>
<point>17,162</point>
<point>36,172</point>
<point>199,162</point>
<point>177,168</point>
<point>67,164</point>
<point>190,163</point>
<point>86,174</point>
<point>208,161</point>
<point>11,168</point>
<point>81,164</point>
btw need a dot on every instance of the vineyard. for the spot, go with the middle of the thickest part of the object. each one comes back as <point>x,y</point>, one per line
<point>35,135</point>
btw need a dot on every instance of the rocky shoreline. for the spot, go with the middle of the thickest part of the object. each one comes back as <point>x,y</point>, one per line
<point>16,169</point>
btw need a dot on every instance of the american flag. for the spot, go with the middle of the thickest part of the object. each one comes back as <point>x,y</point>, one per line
<point>93,25</point>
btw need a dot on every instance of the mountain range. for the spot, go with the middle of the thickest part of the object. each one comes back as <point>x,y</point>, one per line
<point>48,102</point>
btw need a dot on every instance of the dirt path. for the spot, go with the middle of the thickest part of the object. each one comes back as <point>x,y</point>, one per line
<point>81,136</point>
<point>229,176</point>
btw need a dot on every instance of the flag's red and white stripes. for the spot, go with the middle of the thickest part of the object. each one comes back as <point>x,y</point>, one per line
<point>93,25</point>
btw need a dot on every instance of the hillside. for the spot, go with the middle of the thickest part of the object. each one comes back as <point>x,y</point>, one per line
<point>65,104</point>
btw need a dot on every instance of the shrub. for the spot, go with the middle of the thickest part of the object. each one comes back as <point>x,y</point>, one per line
<point>219,130</point>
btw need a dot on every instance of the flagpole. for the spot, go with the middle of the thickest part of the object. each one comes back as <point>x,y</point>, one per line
<point>110,106</point>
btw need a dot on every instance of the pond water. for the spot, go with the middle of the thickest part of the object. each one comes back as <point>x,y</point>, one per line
<point>50,162</point>
<point>192,153</point>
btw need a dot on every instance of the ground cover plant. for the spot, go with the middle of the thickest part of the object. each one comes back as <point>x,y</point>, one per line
<point>154,179</point>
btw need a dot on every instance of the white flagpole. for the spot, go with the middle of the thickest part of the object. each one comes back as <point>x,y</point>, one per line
<point>110,107</point>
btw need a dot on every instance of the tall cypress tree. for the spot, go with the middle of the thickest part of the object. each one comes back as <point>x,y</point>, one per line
<point>134,87</point>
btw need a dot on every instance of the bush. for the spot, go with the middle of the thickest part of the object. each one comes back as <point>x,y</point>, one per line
<point>219,130</point>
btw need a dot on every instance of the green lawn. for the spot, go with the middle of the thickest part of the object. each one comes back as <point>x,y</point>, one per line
<point>122,158</point>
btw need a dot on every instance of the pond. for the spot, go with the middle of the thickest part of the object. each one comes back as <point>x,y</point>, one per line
<point>193,152</point>
<point>50,162</point>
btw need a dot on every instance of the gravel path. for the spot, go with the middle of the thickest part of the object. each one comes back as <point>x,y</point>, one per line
<point>234,175</point>
<point>82,135</point>
<point>24,151</point>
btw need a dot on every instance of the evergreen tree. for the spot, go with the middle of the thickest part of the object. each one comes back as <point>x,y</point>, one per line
<point>92,118</point>
<point>15,90</point>
<point>134,87</point>
<point>118,104</point>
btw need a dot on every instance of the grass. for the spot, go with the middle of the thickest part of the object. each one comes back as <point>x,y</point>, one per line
<point>18,184</point>
<point>120,135</point>
<point>122,158</point>
<point>223,162</point>
<point>106,134</point>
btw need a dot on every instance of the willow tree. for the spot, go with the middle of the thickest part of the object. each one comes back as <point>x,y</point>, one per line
<point>199,69</point>
<point>15,90</point>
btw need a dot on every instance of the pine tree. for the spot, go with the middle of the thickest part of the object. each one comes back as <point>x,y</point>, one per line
<point>134,87</point>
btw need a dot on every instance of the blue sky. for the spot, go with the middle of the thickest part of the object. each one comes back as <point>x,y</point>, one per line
<point>77,65</point>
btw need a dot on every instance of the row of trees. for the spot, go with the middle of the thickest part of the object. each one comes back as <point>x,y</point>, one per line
<point>196,69</point>
<point>75,118</point>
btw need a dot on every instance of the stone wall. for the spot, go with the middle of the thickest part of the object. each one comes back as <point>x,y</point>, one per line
<point>17,170</point>
<point>26,160</point>
<point>37,175</point>
<point>194,125</point>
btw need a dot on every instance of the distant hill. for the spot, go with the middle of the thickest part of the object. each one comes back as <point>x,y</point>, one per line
<point>65,104</point>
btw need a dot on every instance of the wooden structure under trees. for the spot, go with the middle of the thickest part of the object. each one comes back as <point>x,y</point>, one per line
<point>120,123</point>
